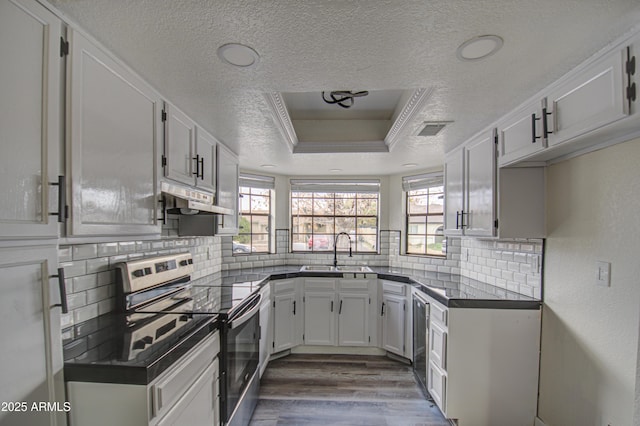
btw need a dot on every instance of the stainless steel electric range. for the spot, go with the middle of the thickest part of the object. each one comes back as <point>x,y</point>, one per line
<point>161,313</point>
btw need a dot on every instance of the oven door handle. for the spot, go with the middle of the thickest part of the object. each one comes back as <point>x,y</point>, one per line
<point>247,315</point>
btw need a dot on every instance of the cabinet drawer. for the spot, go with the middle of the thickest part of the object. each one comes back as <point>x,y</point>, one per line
<point>393,288</point>
<point>284,286</point>
<point>437,386</point>
<point>172,384</point>
<point>319,284</point>
<point>439,314</point>
<point>438,346</point>
<point>354,284</point>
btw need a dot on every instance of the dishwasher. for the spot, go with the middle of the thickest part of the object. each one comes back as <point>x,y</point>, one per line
<point>420,338</point>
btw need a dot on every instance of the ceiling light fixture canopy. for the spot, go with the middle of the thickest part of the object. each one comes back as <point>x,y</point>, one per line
<point>479,47</point>
<point>238,55</point>
<point>343,98</point>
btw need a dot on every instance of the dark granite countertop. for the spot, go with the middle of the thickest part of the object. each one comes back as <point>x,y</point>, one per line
<point>95,350</point>
<point>453,291</point>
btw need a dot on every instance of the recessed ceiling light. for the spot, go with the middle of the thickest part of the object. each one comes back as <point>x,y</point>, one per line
<point>479,47</point>
<point>268,166</point>
<point>410,165</point>
<point>335,170</point>
<point>238,55</point>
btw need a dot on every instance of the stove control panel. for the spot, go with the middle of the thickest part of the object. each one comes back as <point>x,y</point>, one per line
<point>142,274</point>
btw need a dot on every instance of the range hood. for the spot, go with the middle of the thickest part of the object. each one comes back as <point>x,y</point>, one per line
<point>186,200</point>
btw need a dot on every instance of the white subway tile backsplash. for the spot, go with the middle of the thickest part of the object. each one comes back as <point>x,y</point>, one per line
<point>100,264</point>
<point>74,269</point>
<point>85,251</point>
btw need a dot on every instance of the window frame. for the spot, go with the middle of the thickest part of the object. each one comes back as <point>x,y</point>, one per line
<point>423,183</point>
<point>269,195</point>
<point>343,245</point>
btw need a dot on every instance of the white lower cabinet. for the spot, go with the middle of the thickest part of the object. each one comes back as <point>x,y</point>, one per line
<point>31,359</point>
<point>483,364</point>
<point>186,394</point>
<point>339,312</point>
<point>286,315</point>
<point>319,318</point>
<point>396,318</point>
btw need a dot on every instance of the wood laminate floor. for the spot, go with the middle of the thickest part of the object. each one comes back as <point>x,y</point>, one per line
<point>342,390</point>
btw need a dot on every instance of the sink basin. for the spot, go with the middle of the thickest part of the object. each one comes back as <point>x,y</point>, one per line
<point>318,268</point>
<point>353,269</point>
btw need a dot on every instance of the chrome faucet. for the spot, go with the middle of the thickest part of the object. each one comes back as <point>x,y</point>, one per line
<point>335,247</point>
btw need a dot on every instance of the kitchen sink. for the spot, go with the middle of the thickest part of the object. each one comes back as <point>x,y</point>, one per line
<point>329,268</point>
<point>318,268</point>
<point>353,269</point>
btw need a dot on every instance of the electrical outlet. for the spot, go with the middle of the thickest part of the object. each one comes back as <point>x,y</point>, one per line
<point>603,273</point>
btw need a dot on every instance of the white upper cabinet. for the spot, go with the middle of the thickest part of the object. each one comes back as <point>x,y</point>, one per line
<point>30,119</point>
<point>228,173</point>
<point>206,155</point>
<point>483,201</point>
<point>480,185</point>
<point>590,99</point>
<point>520,133</point>
<point>189,151</point>
<point>114,121</point>
<point>179,146</point>
<point>454,191</point>
<point>470,180</point>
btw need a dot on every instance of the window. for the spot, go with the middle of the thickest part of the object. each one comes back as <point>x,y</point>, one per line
<point>425,214</point>
<point>322,209</point>
<point>254,234</point>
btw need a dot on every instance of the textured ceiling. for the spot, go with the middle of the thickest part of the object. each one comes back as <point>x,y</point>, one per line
<point>320,45</point>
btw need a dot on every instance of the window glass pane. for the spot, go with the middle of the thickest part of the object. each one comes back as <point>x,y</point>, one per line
<point>367,207</point>
<point>323,206</point>
<point>434,245</point>
<point>346,224</point>
<point>245,225</point>
<point>245,204</point>
<point>319,242</point>
<point>416,244</point>
<point>367,225</point>
<point>345,206</point>
<point>367,243</point>
<point>346,195</point>
<point>259,224</point>
<point>260,242</point>
<point>301,225</point>
<point>260,191</point>
<point>436,204</point>
<point>417,225</point>
<point>323,225</point>
<point>259,204</point>
<point>417,205</point>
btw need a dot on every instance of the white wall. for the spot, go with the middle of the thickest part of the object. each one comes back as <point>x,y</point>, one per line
<point>590,333</point>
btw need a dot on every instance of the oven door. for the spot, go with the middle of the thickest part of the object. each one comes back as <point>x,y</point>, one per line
<point>242,354</point>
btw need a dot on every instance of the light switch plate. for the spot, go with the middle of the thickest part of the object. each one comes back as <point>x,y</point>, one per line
<point>603,273</point>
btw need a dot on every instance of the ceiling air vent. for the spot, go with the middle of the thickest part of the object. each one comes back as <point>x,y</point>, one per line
<point>432,128</point>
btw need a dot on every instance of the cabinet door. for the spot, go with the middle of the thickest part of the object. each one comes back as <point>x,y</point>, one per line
<point>30,119</point>
<point>284,324</point>
<point>453,192</point>
<point>353,319</point>
<point>115,119</point>
<point>393,324</point>
<point>227,190</point>
<point>438,346</point>
<point>521,134</point>
<point>179,146</point>
<point>437,386</point>
<point>589,100</point>
<point>206,147</point>
<point>198,405</point>
<point>319,318</point>
<point>480,179</point>
<point>31,359</point>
